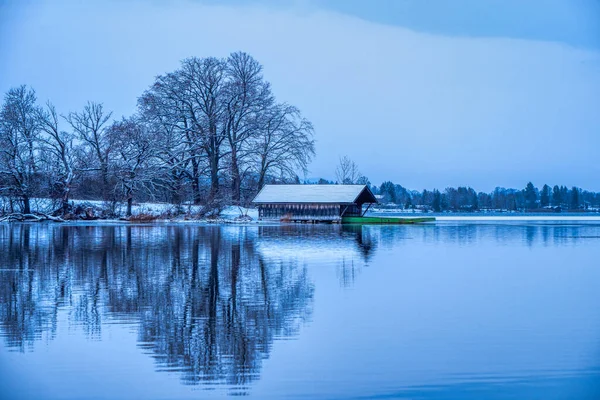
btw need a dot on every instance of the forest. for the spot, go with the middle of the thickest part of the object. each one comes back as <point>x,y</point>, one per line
<point>210,133</point>
<point>466,199</point>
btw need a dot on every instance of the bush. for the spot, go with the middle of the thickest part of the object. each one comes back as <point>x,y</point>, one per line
<point>143,217</point>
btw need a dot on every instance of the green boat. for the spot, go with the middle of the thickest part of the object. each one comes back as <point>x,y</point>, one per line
<point>386,220</point>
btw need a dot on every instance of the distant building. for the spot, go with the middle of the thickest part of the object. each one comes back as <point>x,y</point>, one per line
<point>312,203</point>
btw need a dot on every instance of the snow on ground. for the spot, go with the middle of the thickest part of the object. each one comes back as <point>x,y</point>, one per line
<point>232,212</point>
<point>228,214</point>
<point>167,211</point>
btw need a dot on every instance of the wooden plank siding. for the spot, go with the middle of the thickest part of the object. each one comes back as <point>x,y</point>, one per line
<point>299,212</point>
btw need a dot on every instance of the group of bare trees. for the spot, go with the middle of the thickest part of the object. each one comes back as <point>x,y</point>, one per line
<point>220,123</point>
<point>210,132</point>
<point>347,173</point>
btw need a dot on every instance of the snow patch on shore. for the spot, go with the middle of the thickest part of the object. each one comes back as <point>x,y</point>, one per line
<point>162,211</point>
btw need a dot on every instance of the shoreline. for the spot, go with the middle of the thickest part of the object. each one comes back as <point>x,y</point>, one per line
<point>231,222</point>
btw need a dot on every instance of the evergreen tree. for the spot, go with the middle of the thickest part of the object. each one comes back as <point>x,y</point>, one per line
<point>575,198</point>
<point>556,196</point>
<point>444,202</point>
<point>437,200</point>
<point>564,195</point>
<point>475,203</point>
<point>530,196</point>
<point>388,191</point>
<point>426,197</point>
<point>513,203</point>
<point>545,196</point>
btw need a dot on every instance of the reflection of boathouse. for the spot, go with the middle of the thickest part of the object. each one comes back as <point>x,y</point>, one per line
<point>312,202</point>
<point>317,242</point>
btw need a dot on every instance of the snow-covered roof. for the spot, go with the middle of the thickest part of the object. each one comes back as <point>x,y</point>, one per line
<point>337,194</point>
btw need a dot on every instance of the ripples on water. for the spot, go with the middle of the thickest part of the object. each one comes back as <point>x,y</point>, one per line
<point>452,310</point>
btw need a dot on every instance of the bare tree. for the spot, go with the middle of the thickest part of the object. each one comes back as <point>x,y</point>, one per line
<point>204,81</point>
<point>90,126</point>
<point>19,145</point>
<point>190,100</point>
<point>347,173</point>
<point>133,153</point>
<point>210,129</point>
<point>59,152</point>
<point>284,145</point>
<point>172,149</point>
<point>219,118</point>
<point>247,95</point>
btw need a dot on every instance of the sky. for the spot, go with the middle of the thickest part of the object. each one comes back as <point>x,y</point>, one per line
<point>428,94</point>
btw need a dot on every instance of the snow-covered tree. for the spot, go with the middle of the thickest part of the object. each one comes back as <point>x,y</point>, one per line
<point>90,125</point>
<point>19,144</point>
<point>59,153</point>
<point>133,156</point>
<point>284,145</point>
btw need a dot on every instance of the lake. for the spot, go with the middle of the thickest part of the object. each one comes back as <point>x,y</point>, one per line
<point>452,310</point>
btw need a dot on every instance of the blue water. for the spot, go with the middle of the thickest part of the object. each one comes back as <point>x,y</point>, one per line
<point>453,310</point>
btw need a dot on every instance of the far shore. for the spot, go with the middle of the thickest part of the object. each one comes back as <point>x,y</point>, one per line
<point>248,222</point>
<point>164,213</point>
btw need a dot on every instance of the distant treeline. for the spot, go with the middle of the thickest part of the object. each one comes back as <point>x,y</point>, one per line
<point>210,132</point>
<point>466,199</point>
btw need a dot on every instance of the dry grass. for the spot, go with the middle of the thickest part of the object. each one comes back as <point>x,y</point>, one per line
<point>143,217</point>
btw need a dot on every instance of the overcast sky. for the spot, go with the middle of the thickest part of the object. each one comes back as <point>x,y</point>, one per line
<point>423,93</point>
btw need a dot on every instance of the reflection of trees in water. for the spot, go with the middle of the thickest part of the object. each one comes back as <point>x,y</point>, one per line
<point>206,303</point>
<point>547,233</point>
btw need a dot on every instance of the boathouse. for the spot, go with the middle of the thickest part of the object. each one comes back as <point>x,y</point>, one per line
<point>313,203</point>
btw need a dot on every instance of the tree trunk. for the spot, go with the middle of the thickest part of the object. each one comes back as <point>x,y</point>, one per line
<point>26,207</point>
<point>65,203</point>
<point>175,197</point>
<point>263,172</point>
<point>214,178</point>
<point>105,182</point>
<point>129,203</point>
<point>195,183</point>
<point>175,189</point>
<point>261,181</point>
<point>235,178</point>
<point>65,207</point>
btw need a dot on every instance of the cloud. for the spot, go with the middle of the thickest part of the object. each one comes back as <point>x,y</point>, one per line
<point>420,109</point>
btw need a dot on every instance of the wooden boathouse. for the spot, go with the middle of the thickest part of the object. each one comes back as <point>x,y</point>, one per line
<point>312,203</point>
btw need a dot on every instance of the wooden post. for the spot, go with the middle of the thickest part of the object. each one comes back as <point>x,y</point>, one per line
<point>369,206</point>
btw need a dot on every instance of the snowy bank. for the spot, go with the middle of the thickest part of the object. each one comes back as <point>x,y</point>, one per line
<point>102,211</point>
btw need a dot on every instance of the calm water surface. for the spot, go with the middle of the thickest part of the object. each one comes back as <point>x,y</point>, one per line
<point>455,310</point>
